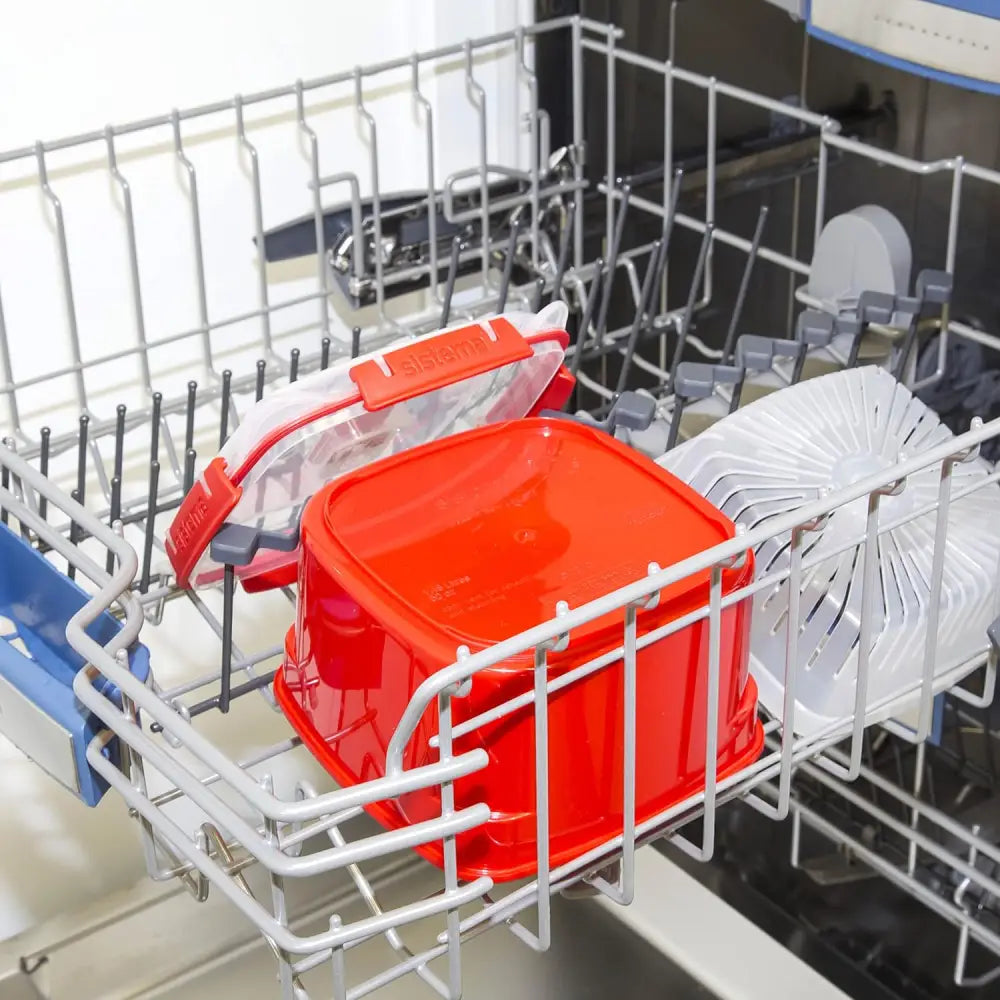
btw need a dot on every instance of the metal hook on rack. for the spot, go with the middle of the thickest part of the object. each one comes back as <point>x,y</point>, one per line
<point>477,97</point>
<point>419,100</point>
<point>368,118</point>
<point>133,254</point>
<point>196,241</point>
<point>525,72</point>
<point>250,149</point>
<point>312,141</point>
<point>65,274</point>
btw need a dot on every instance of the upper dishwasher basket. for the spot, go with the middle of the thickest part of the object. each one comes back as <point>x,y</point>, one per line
<point>141,385</point>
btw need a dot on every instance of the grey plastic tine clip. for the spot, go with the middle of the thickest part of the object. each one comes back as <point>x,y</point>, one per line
<point>697,380</point>
<point>931,288</point>
<point>873,307</point>
<point>757,354</point>
<point>237,544</point>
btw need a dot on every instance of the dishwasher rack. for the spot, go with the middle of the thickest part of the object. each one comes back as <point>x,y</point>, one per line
<point>204,814</point>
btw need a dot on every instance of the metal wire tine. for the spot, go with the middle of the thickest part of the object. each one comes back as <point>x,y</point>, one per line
<point>612,259</point>
<point>588,312</point>
<point>542,796</point>
<point>526,72</point>
<point>450,848</point>
<point>4,484</point>
<point>293,365</point>
<point>147,545</point>
<point>192,397</point>
<point>324,354</point>
<point>119,459</point>
<point>926,713</point>
<point>508,264</point>
<point>226,680</point>
<point>74,535</point>
<point>113,516</point>
<point>699,270</point>
<point>449,288</point>
<point>338,971</point>
<point>133,254</point>
<point>258,221</point>
<point>639,319</point>
<point>190,457</point>
<point>666,235</point>
<point>8,372</point>
<point>154,429</point>
<point>918,785</point>
<point>674,430</point>
<point>81,457</point>
<point>355,341</point>
<point>477,97</point>
<point>196,241</point>
<point>43,468</point>
<point>669,219</point>
<point>259,386</point>
<point>536,299</point>
<point>313,143</point>
<point>227,389</point>
<point>741,295</point>
<point>610,111</point>
<point>707,849</point>
<point>65,273</point>
<point>565,238</point>
<point>432,199</point>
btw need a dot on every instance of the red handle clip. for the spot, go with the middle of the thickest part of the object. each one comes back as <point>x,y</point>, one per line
<point>448,358</point>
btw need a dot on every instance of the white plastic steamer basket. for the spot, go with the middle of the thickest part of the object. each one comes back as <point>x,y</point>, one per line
<point>824,434</point>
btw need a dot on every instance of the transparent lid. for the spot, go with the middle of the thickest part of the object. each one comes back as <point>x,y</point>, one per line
<point>307,433</point>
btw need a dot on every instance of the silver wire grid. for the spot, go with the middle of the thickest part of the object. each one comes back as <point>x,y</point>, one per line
<point>92,494</point>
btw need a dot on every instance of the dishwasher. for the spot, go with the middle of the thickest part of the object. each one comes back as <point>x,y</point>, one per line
<point>308,686</point>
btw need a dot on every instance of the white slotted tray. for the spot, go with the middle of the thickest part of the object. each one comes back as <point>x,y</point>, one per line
<point>794,446</point>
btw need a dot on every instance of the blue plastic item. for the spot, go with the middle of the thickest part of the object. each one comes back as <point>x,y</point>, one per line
<point>955,41</point>
<point>38,711</point>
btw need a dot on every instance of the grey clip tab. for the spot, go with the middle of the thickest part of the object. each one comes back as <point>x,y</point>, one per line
<point>237,544</point>
<point>633,411</point>
<point>876,307</point>
<point>757,354</point>
<point>697,380</point>
<point>934,286</point>
<point>850,325</point>
<point>815,328</point>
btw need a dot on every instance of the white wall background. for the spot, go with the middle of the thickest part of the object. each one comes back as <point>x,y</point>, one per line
<point>69,67</point>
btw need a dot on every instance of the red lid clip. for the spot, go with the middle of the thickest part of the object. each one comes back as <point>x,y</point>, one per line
<point>451,357</point>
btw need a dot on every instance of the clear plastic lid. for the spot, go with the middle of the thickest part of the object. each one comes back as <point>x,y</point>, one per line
<point>305,434</point>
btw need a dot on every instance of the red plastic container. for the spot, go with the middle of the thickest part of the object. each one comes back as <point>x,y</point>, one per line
<point>468,541</point>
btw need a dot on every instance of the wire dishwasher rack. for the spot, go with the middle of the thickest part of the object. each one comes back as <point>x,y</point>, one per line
<point>89,490</point>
